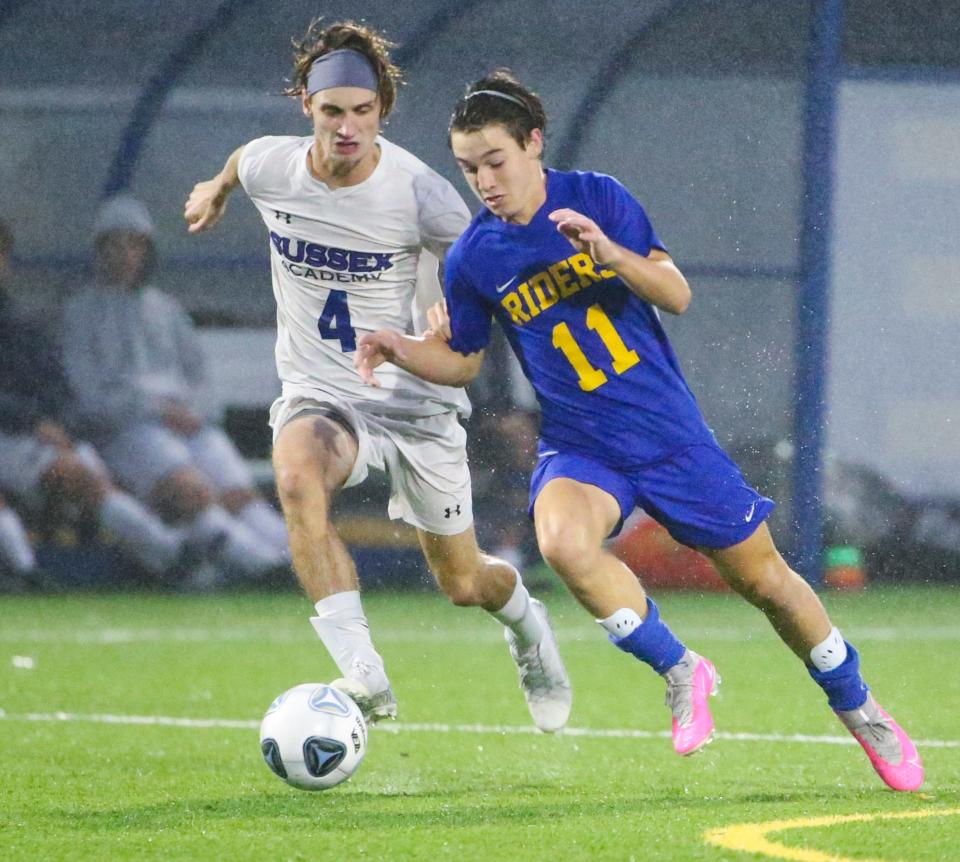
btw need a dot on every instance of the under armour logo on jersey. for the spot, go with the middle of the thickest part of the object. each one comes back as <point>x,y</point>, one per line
<point>284,216</point>
<point>449,512</point>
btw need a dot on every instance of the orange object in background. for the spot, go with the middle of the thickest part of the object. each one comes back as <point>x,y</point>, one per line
<point>660,562</point>
<point>843,569</point>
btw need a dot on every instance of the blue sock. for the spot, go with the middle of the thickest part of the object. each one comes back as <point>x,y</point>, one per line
<point>652,641</point>
<point>844,686</point>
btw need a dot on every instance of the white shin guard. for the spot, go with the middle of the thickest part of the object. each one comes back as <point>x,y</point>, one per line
<point>342,626</point>
<point>518,616</point>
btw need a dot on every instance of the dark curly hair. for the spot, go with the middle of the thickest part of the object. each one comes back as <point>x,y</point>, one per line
<point>473,113</point>
<point>320,40</point>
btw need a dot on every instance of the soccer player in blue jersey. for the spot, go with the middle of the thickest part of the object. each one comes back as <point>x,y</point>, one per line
<point>571,268</point>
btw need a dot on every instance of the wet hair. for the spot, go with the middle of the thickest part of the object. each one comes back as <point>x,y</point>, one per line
<point>320,40</point>
<point>6,239</point>
<point>518,109</point>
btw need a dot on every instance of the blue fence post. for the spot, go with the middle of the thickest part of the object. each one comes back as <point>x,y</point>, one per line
<point>813,295</point>
<point>155,93</point>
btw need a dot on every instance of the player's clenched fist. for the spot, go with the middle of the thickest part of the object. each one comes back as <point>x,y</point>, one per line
<point>206,205</point>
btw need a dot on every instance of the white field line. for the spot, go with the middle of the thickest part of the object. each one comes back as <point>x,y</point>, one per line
<point>402,727</point>
<point>490,634</point>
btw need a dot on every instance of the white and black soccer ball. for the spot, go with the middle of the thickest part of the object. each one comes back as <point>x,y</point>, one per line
<point>313,736</point>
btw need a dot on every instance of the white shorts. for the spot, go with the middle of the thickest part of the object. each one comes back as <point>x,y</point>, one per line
<point>24,460</point>
<point>143,454</point>
<point>424,456</point>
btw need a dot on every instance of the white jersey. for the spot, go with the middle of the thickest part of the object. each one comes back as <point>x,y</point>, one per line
<point>351,260</point>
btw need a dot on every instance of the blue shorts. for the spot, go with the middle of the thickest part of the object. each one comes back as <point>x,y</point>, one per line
<point>698,494</point>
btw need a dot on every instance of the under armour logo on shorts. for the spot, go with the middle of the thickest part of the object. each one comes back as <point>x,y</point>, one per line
<point>284,216</point>
<point>450,512</point>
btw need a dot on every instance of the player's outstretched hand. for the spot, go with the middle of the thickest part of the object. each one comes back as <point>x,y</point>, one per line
<point>205,206</point>
<point>584,235</point>
<point>375,348</point>
<point>439,320</point>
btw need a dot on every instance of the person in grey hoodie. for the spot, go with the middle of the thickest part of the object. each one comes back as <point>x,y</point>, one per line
<point>41,461</point>
<point>135,368</point>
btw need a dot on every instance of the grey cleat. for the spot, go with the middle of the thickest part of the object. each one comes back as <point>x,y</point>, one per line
<point>375,706</point>
<point>543,678</point>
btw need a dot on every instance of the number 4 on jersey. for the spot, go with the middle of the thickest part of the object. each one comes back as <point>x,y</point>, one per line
<point>334,322</point>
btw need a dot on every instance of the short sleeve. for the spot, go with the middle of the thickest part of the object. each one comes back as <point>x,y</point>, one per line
<point>623,219</point>
<point>470,318</point>
<point>253,160</point>
<point>441,213</point>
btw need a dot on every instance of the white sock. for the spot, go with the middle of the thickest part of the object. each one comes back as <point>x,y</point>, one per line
<point>622,623</point>
<point>15,548</point>
<point>831,653</point>
<point>342,626</point>
<point>518,616</point>
<point>267,522</point>
<point>242,549</point>
<point>140,532</point>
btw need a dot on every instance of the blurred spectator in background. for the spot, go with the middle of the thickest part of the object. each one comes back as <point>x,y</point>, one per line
<point>135,367</point>
<point>40,464</point>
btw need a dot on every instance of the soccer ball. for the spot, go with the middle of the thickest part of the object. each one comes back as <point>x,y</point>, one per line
<point>313,736</point>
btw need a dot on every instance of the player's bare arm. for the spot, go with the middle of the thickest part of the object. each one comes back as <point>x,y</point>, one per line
<point>429,357</point>
<point>654,278</point>
<point>208,200</point>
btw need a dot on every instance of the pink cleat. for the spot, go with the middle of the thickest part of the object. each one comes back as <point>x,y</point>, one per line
<point>891,751</point>
<point>690,682</point>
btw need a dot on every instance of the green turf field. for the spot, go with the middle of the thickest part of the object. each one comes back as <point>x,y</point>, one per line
<point>460,776</point>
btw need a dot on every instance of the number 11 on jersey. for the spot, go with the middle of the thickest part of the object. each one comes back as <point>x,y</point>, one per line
<point>591,378</point>
<point>334,322</point>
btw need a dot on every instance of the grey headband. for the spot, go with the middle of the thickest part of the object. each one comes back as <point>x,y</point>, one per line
<point>342,68</point>
<point>500,95</point>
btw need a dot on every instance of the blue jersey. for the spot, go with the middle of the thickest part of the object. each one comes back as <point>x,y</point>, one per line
<point>608,382</point>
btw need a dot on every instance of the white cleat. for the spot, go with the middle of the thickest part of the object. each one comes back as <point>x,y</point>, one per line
<point>376,705</point>
<point>543,678</point>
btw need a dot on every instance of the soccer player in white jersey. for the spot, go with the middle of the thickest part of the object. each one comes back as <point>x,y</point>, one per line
<point>356,227</point>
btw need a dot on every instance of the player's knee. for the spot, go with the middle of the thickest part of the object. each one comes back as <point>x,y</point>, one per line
<point>565,550</point>
<point>295,484</point>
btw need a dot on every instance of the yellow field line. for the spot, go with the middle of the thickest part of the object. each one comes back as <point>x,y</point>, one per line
<point>752,837</point>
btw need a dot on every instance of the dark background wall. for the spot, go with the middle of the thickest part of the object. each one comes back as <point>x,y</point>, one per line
<point>696,106</point>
